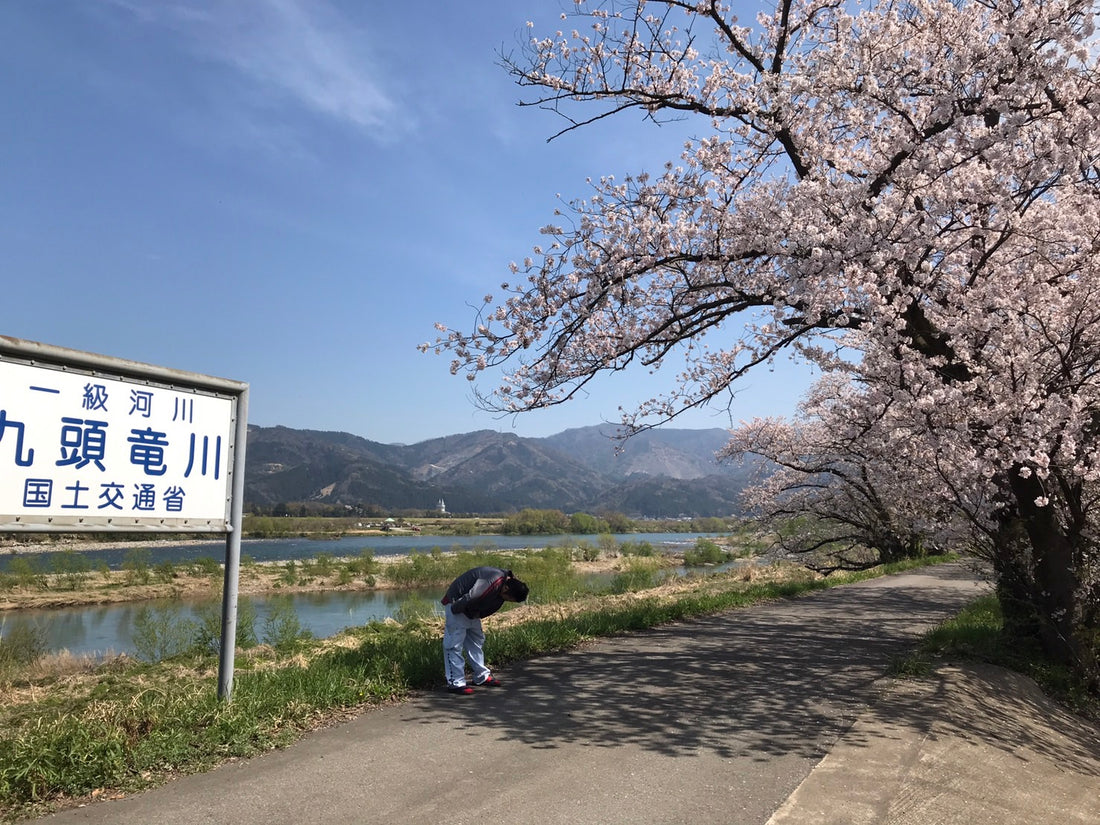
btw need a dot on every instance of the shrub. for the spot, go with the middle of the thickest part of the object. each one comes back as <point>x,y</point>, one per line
<point>208,628</point>
<point>21,644</point>
<point>206,566</point>
<point>290,573</point>
<point>282,628</point>
<point>587,551</point>
<point>165,571</point>
<point>322,564</point>
<point>705,552</point>
<point>26,573</point>
<point>160,633</point>
<point>609,545</point>
<point>72,568</point>
<point>136,565</point>
<point>637,548</point>
<point>637,574</point>
<point>414,610</point>
<point>364,564</point>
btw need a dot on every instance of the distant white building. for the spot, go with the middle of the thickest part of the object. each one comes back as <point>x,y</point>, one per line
<point>442,507</point>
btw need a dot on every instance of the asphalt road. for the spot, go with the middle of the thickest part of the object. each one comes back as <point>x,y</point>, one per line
<point>716,720</point>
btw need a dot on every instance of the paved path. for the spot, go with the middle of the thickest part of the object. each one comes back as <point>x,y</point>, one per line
<point>973,745</point>
<point>717,720</point>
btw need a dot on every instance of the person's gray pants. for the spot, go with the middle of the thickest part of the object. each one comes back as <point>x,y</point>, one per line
<point>463,635</point>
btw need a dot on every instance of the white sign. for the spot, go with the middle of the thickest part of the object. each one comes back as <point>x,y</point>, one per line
<point>82,451</point>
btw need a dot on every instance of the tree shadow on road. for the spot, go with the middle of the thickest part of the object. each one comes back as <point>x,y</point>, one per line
<point>981,704</point>
<point>783,678</point>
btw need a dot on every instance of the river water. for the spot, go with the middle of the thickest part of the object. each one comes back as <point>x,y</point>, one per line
<point>104,630</point>
<point>388,545</point>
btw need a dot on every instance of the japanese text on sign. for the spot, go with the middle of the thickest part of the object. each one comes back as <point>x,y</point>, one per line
<point>88,448</point>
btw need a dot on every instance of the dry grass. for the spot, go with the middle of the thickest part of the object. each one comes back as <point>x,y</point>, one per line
<point>667,591</point>
<point>115,586</point>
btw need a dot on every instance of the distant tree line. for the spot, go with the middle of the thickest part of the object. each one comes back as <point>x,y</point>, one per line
<point>533,522</point>
<point>317,509</point>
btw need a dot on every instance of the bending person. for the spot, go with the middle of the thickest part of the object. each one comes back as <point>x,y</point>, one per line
<point>477,593</point>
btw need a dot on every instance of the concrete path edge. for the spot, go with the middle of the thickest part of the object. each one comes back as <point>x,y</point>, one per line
<point>974,744</point>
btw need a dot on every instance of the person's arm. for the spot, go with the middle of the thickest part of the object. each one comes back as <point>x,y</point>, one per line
<point>481,588</point>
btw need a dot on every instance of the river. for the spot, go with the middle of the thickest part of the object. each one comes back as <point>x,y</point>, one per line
<point>387,545</point>
<point>100,631</point>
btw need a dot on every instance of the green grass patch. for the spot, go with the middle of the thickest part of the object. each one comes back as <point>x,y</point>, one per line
<point>977,633</point>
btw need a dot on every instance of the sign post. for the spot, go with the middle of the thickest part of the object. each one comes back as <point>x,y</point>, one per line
<point>94,443</point>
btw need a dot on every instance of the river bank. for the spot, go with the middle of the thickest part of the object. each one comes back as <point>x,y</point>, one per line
<point>53,542</point>
<point>190,581</point>
<point>81,571</point>
<point>59,544</point>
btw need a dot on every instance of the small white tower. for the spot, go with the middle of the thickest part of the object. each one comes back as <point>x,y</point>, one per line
<point>442,507</point>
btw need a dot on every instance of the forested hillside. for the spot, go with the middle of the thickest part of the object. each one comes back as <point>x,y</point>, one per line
<point>665,473</point>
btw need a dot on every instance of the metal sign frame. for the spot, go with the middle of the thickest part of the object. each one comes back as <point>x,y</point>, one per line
<point>39,356</point>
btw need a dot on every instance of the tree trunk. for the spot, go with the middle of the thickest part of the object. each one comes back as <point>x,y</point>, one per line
<point>1013,567</point>
<point>1055,584</point>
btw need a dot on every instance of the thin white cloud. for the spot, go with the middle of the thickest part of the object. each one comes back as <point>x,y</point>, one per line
<point>298,52</point>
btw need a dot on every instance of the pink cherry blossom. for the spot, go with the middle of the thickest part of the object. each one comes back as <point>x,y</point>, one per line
<point>904,194</point>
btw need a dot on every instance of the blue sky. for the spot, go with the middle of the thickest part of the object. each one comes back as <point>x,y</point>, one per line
<point>291,193</point>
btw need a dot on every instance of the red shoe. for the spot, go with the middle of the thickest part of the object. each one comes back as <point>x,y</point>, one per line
<point>491,682</point>
<point>465,690</point>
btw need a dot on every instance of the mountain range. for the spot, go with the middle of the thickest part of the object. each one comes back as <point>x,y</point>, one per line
<point>661,473</point>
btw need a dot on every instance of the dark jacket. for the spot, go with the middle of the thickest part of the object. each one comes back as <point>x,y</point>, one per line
<point>477,592</point>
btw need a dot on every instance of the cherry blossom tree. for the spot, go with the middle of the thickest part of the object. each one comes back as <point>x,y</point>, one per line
<point>903,192</point>
<point>854,490</point>
<point>843,494</point>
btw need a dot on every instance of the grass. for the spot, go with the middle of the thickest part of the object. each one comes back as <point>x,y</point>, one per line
<point>130,725</point>
<point>977,633</point>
